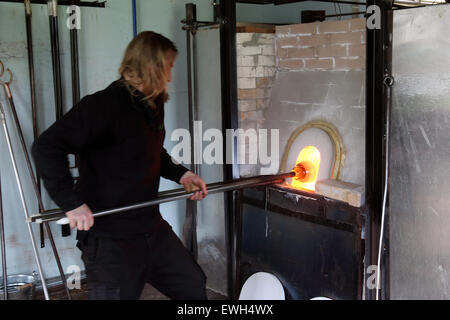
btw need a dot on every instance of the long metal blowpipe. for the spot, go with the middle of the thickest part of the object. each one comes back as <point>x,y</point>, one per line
<point>168,196</point>
<point>3,248</point>
<point>6,85</point>
<point>24,205</point>
<point>28,14</point>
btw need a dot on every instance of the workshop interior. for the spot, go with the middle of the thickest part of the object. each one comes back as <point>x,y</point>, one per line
<point>346,196</point>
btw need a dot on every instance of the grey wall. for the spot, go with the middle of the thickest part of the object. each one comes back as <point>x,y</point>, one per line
<point>419,183</point>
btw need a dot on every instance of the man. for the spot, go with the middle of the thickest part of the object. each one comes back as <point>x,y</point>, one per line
<point>118,134</point>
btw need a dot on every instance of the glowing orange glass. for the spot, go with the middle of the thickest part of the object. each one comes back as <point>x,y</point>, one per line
<point>309,157</point>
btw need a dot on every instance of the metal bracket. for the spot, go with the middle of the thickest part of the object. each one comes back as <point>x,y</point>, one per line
<point>389,81</point>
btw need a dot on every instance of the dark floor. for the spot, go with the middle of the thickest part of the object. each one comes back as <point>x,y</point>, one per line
<point>149,293</point>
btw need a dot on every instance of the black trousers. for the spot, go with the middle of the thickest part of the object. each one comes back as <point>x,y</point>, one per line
<point>119,268</point>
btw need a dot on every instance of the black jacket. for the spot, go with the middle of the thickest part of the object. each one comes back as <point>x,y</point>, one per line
<point>119,140</point>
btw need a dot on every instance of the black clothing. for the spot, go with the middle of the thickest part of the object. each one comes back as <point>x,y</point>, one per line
<point>117,269</point>
<point>119,140</point>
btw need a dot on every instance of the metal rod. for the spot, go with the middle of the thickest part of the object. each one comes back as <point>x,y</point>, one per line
<point>345,14</point>
<point>228,75</point>
<point>75,66</point>
<point>33,179</point>
<point>65,230</point>
<point>178,194</point>
<point>2,231</point>
<point>133,4</point>
<point>196,148</point>
<point>93,4</point>
<point>54,41</point>
<point>24,205</point>
<point>31,66</point>
<point>27,5</point>
<point>191,206</point>
<point>343,2</point>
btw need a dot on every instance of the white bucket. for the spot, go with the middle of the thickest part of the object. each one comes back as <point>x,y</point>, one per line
<point>262,286</point>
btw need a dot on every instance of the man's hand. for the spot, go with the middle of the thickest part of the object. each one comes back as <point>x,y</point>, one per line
<point>81,217</point>
<point>192,182</point>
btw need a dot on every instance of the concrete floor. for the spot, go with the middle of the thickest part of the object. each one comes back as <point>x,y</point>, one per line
<point>149,293</point>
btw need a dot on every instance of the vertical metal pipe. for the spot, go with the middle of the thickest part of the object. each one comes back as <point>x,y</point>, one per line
<point>65,229</point>
<point>75,66</point>
<point>22,199</point>
<point>238,239</point>
<point>2,235</point>
<point>229,121</point>
<point>27,4</point>
<point>134,18</point>
<point>195,117</point>
<point>191,206</point>
<point>31,67</point>
<point>378,65</point>
<point>54,40</point>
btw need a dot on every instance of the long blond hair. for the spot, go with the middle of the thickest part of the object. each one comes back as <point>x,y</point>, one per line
<point>144,63</point>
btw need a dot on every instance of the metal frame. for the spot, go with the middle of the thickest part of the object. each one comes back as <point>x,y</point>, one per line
<point>190,230</point>
<point>378,69</point>
<point>316,209</point>
<point>230,121</point>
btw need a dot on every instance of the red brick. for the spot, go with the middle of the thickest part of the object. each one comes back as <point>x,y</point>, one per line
<point>282,29</point>
<point>332,51</point>
<point>282,53</point>
<point>358,24</point>
<point>291,64</point>
<point>300,53</point>
<point>303,28</point>
<point>347,38</point>
<point>287,42</point>
<point>357,50</point>
<point>359,63</point>
<point>311,41</point>
<point>334,26</point>
<point>319,64</point>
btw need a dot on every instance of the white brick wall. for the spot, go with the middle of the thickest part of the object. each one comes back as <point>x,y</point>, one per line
<point>256,67</point>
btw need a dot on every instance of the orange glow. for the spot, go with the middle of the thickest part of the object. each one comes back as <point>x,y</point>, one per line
<point>309,157</point>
